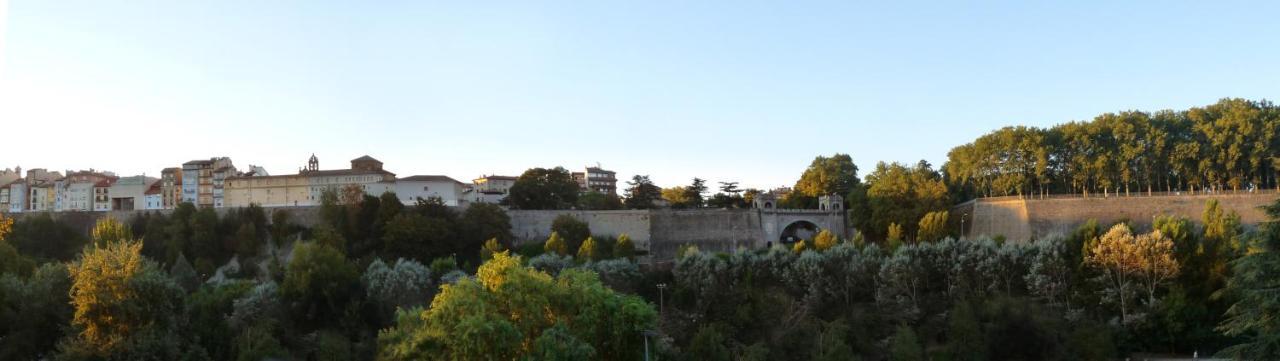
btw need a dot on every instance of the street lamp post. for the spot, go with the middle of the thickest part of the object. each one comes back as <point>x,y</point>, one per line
<point>661,300</point>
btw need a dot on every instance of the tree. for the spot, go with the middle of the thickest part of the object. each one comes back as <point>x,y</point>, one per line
<point>831,343</point>
<point>280,227</point>
<point>508,306</point>
<point>730,188</point>
<point>480,223</point>
<point>573,230</point>
<point>709,344</point>
<point>318,285</point>
<point>542,188</point>
<point>589,251</point>
<point>6,226</point>
<point>34,312</point>
<point>184,274</point>
<point>490,247</point>
<point>642,193</point>
<point>964,335</point>
<point>677,197</point>
<point>933,227</point>
<point>905,346</point>
<point>825,240</point>
<point>694,192</point>
<point>625,247</point>
<point>1124,259</point>
<point>1255,316</point>
<point>555,244</point>
<point>895,233</point>
<point>828,175</point>
<point>402,285</point>
<point>120,298</point>
<point>418,237</point>
<point>800,247</point>
<point>596,201</point>
<point>108,230</point>
<point>903,195</point>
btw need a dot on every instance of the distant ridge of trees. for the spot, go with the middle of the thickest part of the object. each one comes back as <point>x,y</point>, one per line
<point>1230,145</point>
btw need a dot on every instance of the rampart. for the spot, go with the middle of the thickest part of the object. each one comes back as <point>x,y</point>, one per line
<point>1023,219</point>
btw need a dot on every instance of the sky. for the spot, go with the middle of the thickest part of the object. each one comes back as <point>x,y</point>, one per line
<point>745,91</point>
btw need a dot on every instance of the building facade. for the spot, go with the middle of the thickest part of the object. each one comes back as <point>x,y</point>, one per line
<point>491,188</point>
<point>170,187</point>
<point>305,188</point>
<point>199,184</point>
<point>449,190</point>
<point>595,179</point>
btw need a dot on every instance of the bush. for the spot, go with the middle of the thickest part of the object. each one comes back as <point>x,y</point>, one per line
<point>551,263</point>
<point>571,229</point>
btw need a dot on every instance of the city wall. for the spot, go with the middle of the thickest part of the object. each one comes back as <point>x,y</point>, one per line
<point>660,232</point>
<point>1023,219</point>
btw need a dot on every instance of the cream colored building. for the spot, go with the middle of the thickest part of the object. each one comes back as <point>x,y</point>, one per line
<point>305,188</point>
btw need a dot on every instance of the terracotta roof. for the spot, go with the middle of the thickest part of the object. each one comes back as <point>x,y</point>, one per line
<point>198,162</point>
<point>154,188</point>
<point>429,178</point>
<point>365,158</point>
<point>104,183</point>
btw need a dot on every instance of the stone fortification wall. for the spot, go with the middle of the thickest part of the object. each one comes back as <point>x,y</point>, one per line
<point>1022,219</point>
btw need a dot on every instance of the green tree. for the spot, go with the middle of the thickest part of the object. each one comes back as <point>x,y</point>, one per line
<point>905,346</point>
<point>828,175</point>
<point>596,201</point>
<point>555,244</point>
<point>542,188</point>
<point>625,248</point>
<point>480,223</point>
<point>318,285</point>
<point>121,300</point>
<point>490,247</point>
<point>589,251</point>
<point>573,230</point>
<point>34,312</point>
<point>418,237</point>
<point>709,344</point>
<point>1254,318</point>
<point>965,339</point>
<point>677,197</point>
<point>933,227</point>
<point>642,193</point>
<point>509,306</point>
<point>903,195</point>
<point>825,240</point>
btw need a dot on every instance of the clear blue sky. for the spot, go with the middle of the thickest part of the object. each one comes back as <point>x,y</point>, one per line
<point>724,90</point>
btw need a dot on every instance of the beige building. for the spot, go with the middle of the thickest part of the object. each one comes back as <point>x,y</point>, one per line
<point>170,187</point>
<point>491,188</point>
<point>305,188</point>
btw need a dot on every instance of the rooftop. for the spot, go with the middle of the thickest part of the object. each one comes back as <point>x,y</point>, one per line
<point>429,178</point>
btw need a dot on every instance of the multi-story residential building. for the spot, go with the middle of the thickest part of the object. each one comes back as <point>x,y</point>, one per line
<point>491,188</point>
<point>170,187</point>
<point>102,195</point>
<point>5,196</point>
<point>305,188</point>
<point>77,189</point>
<point>595,179</point>
<point>154,196</point>
<point>43,196</point>
<point>449,190</point>
<point>18,196</point>
<point>198,180</point>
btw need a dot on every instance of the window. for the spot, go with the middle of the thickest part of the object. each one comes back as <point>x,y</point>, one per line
<point>424,188</point>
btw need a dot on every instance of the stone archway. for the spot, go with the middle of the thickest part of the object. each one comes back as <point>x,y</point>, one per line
<point>798,230</point>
